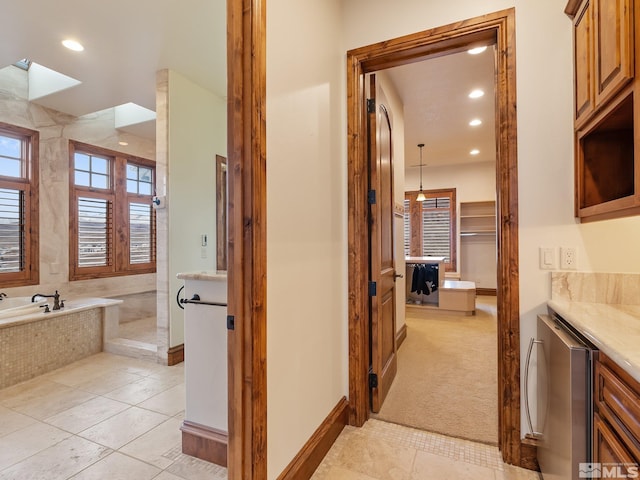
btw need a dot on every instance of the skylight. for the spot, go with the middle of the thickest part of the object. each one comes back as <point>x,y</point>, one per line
<point>24,64</point>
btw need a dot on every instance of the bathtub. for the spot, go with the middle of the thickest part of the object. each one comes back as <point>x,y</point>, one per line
<point>11,306</point>
<point>33,342</point>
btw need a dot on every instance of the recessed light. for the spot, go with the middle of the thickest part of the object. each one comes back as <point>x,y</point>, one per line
<point>73,45</point>
<point>475,122</point>
<point>476,93</point>
<point>124,144</point>
<point>477,50</point>
<point>475,151</point>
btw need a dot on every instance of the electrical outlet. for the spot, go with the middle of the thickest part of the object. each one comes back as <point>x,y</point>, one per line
<point>568,258</point>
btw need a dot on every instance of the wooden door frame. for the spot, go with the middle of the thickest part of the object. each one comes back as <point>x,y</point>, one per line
<point>247,241</point>
<point>497,27</point>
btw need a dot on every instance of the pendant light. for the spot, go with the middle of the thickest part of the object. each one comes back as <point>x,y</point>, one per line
<point>421,197</point>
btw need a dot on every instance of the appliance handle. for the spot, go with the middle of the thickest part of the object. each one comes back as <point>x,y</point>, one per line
<point>532,342</point>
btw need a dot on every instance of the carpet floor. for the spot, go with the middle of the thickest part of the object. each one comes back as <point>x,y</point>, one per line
<point>447,380</point>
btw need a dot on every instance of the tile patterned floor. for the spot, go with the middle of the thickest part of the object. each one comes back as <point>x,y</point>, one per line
<point>118,418</point>
<point>104,417</point>
<point>386,451</point>
<point>142,330</point>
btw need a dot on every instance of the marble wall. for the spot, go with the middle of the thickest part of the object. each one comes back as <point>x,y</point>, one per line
<point>610,288</point>
<point>56,129</point>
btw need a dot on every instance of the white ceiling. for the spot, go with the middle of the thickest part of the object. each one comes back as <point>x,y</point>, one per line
<point>437,109</point>
<point>126,42</point>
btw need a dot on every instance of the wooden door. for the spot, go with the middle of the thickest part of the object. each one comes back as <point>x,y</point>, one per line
<point>382,268</point>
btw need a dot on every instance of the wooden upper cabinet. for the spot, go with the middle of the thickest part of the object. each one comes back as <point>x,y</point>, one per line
<point>613,43</point>
<point>584,72</point>
<point>603,52</point>
<point>607,156</point>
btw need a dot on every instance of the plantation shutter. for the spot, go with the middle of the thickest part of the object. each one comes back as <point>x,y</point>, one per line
<point>141,244</point>
<point>436,228</point>
<point>12,217</point>
<point>407,227</point>
<point>94,231</point>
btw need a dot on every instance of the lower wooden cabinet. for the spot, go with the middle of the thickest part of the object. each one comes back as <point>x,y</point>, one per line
<point>616,435</point>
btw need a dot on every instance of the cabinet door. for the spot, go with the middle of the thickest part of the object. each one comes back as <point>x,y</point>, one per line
<point>583,58</point>
<point>613,34</point>
<point>608,449</point>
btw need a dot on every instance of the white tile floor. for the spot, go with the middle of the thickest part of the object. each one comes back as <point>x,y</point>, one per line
<point>383,451</point>
<point>104,417</point>
<point>118,418</point>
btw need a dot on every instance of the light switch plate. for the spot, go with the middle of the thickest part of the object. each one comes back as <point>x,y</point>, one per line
<point>547,258</point>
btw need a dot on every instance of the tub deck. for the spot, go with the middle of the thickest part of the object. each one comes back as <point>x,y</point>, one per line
<point>32,344</point>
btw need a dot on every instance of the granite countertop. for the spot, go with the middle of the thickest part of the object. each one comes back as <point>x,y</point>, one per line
<point>210,275</point>
<point>614,329</point>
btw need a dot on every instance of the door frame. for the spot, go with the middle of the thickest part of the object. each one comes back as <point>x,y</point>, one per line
<point>498,27</point>
<point>247,240</point>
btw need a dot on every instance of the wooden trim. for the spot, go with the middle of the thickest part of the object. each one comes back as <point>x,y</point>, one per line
<point>415,212</point>
<point>221,213</point>
<point>30,184</point>
<point>498,28</point>
<point>247,252</point>
<point>175,355</point>
<point>205,443</point>
<point>118,263</point>
<point>529,456</point>
<point>572,7</point>
<point>310,456</point>
<point>401,335</point>
<point>487,291</point>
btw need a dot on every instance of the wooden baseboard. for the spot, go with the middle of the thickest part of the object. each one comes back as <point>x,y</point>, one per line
<point>205,443</point>
<point>312,453</point>
<point>529,456</point>
<point>175,355</point>
<point>401,335</point>
<point>486,291</point>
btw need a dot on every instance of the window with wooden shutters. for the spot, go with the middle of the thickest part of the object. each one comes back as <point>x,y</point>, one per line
<point>18,206</point>
<point>95,223</point>
<point>430,226</point>
<point>112,219</point>
<point>407,227</point>
<point>141,230</point>
<point>142,226</point>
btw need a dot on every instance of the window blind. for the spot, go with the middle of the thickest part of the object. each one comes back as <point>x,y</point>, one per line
<point>141,242</point>
<point>436,228</point>
<point>11,230</point>
<point>407,227</point>
<point>94,231</point>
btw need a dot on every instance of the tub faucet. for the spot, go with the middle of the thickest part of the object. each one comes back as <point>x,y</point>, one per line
<point>55,296</point>
<point>3,295</point>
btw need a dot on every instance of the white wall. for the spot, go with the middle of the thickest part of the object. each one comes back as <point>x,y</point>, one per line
<point>306,223</point>
<point>197,131</point>
<point>473,182</point>
<point>545,134</point>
